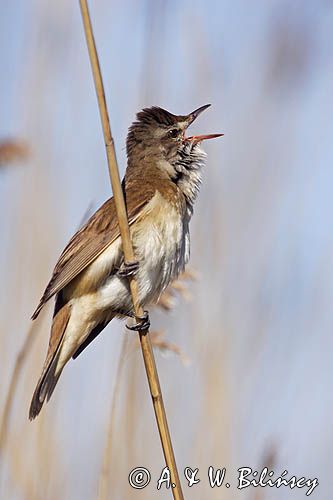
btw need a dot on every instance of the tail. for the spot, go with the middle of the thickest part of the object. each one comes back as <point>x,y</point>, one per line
<point>51,371</point>
<point>44,390</point>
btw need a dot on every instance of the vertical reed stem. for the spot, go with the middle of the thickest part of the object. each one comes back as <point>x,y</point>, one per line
<point>147,351</point>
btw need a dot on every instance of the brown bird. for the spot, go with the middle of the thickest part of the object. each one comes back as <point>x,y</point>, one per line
<point>89,281</point>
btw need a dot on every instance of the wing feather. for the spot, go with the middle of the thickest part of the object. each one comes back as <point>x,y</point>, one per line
<point>90,241</point>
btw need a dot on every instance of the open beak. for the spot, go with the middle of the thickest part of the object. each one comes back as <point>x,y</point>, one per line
<point>195,139</point>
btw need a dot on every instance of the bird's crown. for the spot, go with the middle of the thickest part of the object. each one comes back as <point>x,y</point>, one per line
<point>157,116</point>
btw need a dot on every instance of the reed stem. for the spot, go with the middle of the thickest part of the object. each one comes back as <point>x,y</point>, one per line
<point>146,347</point>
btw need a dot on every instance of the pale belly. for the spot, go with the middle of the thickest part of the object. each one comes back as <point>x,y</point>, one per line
<point>161,245</point>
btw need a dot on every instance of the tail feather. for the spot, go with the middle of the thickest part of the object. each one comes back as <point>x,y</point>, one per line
<point>44,389</point>
<point>51,371</point>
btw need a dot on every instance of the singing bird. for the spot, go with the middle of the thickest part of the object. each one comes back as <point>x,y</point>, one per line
<point>90,279</point>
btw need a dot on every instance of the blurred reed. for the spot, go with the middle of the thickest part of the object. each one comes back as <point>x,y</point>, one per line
<point>13,151</point>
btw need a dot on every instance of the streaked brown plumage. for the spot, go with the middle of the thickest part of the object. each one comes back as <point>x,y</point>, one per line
<point>160,186</point>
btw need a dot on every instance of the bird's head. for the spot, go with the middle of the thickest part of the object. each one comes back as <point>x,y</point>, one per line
<point>159,134</point>
<point>160,137</point>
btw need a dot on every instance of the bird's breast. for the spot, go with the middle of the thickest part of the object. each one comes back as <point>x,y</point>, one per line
<point>161,244</point>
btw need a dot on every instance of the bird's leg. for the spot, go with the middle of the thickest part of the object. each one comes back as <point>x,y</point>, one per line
<point>143,321</point>
<point>142,324</point>
<point>128,269</point>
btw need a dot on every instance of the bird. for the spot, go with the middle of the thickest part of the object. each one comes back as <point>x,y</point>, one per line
<point>90,280</point>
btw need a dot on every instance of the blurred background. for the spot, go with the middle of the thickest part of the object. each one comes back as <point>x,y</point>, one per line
<point>253,383</point>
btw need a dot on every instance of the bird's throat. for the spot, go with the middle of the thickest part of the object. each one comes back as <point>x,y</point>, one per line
<point>188,171</point>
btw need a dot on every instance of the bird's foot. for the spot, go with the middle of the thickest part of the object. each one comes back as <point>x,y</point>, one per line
<point>142,324</point>
<point>128,269</point>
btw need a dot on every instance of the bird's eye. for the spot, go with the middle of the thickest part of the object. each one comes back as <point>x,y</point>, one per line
<point>173,133</point>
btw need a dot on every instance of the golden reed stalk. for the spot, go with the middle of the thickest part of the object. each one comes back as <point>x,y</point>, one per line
<point>147,351</point>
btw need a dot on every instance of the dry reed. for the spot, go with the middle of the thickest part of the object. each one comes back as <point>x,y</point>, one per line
<point>146,346</point>
<point>12,389</point>
<point>13,151</point>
